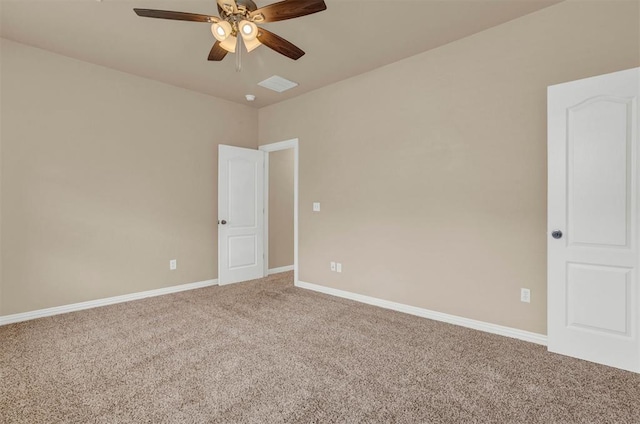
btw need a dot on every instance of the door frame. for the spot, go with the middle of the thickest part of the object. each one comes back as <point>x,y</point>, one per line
<point>274,147</point>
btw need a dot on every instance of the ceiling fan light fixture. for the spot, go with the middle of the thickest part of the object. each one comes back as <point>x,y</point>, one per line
<point>249,30</point>
<point>221,30</point>
<point>229,44</point>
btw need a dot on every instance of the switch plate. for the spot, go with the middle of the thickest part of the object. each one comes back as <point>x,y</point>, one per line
<point>525,295</point>
<point>333,266</point>
<point>339,267</point>
<point>173,264</point>
<point>316,206</point>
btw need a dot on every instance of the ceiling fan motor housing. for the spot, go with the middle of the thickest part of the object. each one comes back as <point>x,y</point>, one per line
<point>244,7</point>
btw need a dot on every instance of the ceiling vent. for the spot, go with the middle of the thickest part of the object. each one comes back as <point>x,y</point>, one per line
<point>278,84</point>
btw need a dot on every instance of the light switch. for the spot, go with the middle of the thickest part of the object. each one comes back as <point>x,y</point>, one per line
<point>316,206</point>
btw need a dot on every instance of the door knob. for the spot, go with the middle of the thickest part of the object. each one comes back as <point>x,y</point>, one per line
<point>222,222</point>
<point>556,234</point>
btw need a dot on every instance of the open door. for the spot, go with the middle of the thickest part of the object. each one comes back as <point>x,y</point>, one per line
<point>593,294</point>
<point>240,214</point>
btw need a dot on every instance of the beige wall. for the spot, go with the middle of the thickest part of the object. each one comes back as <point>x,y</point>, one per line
<point>281,167</point>
<point>105,178</point>
<point>432,170</point>
<point>1,91</point>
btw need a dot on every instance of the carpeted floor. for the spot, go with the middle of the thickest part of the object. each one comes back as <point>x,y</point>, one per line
<point>267,352</point>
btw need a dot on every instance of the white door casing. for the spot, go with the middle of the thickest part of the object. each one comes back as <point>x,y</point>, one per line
<point>593,294</point>
<point>240,214</point>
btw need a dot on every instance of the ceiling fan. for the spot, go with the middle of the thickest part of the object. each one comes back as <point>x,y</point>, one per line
<point>240,17</point>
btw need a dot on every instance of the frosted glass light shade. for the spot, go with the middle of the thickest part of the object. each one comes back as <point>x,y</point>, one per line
<point>252,44</point>
<point>229,44</point>
<point>248,30</point>
<point>221,30</point>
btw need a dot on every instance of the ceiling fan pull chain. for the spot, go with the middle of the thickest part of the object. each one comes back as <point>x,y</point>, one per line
<point>239,53</point>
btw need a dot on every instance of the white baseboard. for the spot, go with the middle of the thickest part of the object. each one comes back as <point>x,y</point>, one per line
<point>41,313</point>
<point>280,269</point>
<point>400,307</point>
<point>515,333</point>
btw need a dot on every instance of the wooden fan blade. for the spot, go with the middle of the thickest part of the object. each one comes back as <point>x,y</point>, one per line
<point>178,16</point>
<point>288,9</point>
<point>279,44</point>
<point>217,53</point>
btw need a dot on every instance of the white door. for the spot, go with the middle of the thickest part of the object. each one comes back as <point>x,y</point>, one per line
<point>240,214</point>
<point>593,219</point>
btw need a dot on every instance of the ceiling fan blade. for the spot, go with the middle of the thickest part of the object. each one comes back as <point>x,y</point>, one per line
<point>178,16</point>
<point>217,53</point>
<point>288,9</point>
<point>279,44</point>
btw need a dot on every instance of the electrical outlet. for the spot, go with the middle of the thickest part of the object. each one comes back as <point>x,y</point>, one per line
<point>333,266</point>
<point>339,267</point>
<point>316,206</point>
<point>525,295</point>
<point>173,264</point>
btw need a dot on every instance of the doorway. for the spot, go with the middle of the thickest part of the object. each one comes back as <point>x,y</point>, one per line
<point>280,194</point>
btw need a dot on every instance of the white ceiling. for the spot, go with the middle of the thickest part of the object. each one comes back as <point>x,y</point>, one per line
<point>349,38</point>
